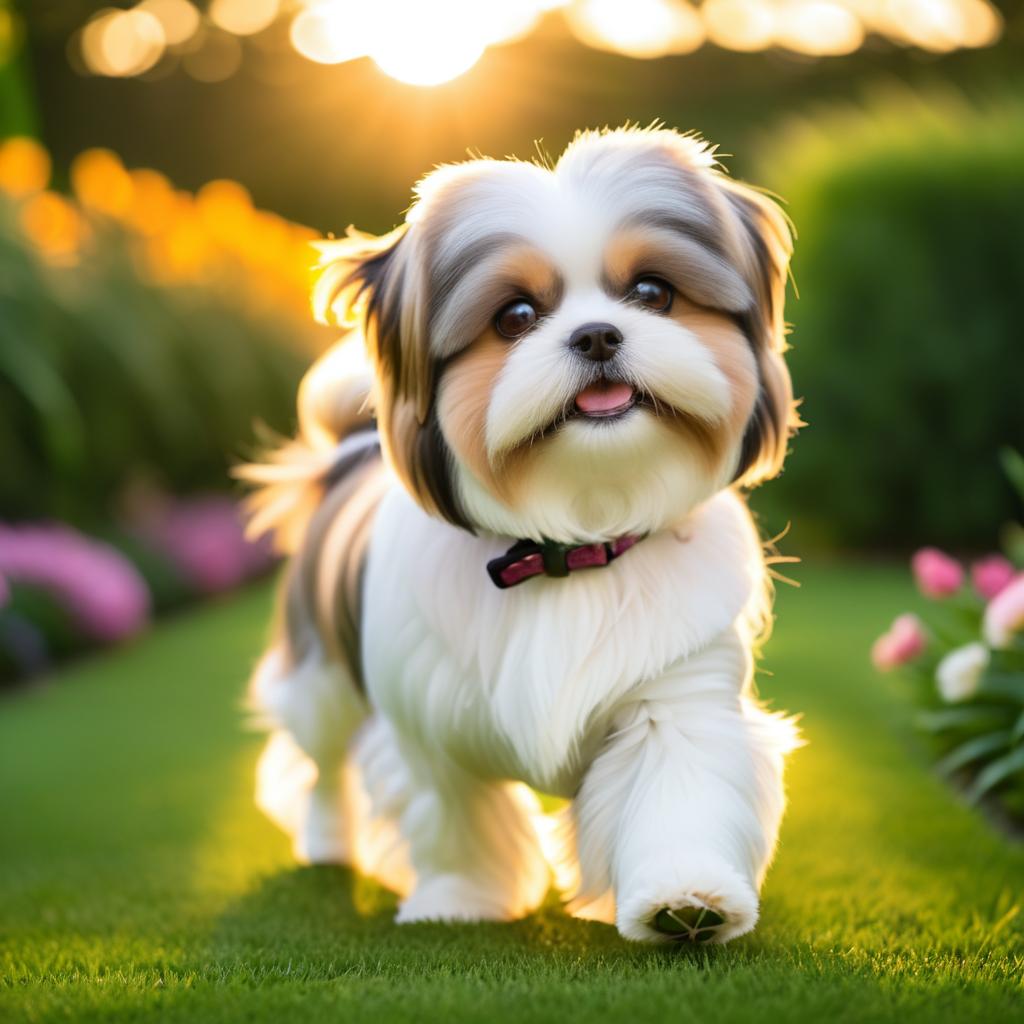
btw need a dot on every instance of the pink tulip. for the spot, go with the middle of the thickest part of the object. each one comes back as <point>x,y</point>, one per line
<point>904,641</point>
<point>991,575</point>
<point>936,573</point>
<point>1004,615</point>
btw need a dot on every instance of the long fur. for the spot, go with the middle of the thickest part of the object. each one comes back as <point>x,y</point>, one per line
<point>415,707</point>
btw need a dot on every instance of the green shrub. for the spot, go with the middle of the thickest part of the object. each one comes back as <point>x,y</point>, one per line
<point>908,339</point>
<point>140,342</point>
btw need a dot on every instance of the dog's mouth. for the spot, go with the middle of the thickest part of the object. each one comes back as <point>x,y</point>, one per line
<point>605,399</point>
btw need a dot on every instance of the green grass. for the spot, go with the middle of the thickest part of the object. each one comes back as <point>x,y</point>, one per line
<point>138,882</point>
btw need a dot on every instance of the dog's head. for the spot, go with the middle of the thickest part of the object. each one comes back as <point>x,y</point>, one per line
<point>575,352</point>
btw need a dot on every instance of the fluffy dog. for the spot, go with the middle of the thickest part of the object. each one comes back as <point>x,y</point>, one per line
<point>532,564</point>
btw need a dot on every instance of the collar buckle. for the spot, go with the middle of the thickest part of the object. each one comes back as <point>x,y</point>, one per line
<point>527,558</point>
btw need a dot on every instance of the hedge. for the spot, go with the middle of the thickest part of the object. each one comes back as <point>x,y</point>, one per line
<point>908,345</point>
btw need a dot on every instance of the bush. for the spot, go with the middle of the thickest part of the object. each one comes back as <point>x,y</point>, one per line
<point>967,661</point>
<point>907,332</point>
<point>143,330</point>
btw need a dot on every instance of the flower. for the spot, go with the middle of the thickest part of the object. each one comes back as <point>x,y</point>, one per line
<point>1004,615</point>
<point>204,538</point>
<point>936,573</point>
<point>24,167</point>
<point>101,589</point>
<point>991,575</point>
<point>904,641</point>
<point>959,673</point>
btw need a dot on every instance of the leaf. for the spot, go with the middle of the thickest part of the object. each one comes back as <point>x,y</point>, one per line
<point>1005,685</point>
<point>1018,730</point>
<point>978,746</point>
<point>996,772</point>
<point>1012,539</point>
<point>958,718</point>
<point>1013,466</point>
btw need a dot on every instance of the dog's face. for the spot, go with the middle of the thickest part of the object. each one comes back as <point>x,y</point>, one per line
<point>580,352</point>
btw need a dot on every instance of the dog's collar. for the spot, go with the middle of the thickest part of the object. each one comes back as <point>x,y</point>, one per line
<point>527,558</point>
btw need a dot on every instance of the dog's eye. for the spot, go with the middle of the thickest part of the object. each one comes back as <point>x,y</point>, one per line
<point>515,319</point>
<point>653,293</point>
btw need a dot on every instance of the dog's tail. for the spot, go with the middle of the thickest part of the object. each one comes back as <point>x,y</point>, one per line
<point>335,423</point>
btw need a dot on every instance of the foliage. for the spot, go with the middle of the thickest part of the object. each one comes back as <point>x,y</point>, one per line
<point>142,332</point>
<point>907,326</point>
<point>968,663</point>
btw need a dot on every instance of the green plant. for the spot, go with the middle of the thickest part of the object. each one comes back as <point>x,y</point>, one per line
<point>907,345</point>
<point>968,663</point>
<point>142,333</point>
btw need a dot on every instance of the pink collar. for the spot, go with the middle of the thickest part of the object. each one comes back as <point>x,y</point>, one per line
<point>527,558</point>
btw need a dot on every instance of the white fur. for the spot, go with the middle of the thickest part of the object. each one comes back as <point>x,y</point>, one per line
<point>625,688</point>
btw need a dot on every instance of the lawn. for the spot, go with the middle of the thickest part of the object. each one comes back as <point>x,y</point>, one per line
<point>138,882</point>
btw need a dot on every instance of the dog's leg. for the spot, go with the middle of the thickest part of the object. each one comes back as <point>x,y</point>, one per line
<point>316,709</point>
<point>473,846</point>
<point>680,811</point>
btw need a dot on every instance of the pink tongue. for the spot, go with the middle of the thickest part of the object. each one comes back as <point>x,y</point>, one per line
<point>604,397</point>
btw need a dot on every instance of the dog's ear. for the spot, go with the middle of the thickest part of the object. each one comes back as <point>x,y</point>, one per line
<point>376,285</point>
<point>765,245</point>
<point>371,282</point>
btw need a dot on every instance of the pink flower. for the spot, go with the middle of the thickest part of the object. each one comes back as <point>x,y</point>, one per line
<point>936,573</point>
<point>1004,615</point>
<point>904,641</point>
<point>991,575</point>
<point>204,538</point>
<point>99,587</point>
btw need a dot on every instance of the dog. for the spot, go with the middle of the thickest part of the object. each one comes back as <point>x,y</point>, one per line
<point>521,559</point>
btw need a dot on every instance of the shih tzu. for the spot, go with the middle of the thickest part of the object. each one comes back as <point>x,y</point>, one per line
<point>521,561</point>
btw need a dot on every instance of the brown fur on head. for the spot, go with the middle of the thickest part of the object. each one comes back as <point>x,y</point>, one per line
<point>490,431</point>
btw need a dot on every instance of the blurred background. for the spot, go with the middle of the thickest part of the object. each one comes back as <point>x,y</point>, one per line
<point>167,162</point>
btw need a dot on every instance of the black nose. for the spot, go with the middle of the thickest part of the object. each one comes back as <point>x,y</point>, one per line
<point>596,341</point>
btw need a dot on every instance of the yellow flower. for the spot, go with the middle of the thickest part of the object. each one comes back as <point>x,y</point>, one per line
<point>153,202</point>
<point>54,226</point>
<point>101,183</point>
<point>24,167</point>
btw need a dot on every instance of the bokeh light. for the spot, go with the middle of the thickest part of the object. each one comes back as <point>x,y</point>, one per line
<point>744,25</point>
<point>821,28</point>
<point>121,43</point>
<point>243,17</point>
<point>427,42</point>
<point>642,28</point>
<point>216,55</point>
<point>179,18</point>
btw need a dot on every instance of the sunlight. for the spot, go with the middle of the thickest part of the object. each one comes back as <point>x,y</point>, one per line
<point>643,28</point>
<point>418,43</point>
<point>438,41</point>
<point>428,42</point>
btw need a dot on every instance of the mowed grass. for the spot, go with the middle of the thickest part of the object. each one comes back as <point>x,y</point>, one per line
<point>138,882</point>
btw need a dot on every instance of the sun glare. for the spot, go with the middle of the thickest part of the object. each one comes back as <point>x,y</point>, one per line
<point>415,42</point>
<point>427,42</point>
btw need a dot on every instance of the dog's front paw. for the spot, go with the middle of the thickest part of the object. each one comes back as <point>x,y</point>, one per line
<point>689,922</point>
<point>714,907</point>
<point>453,898</point>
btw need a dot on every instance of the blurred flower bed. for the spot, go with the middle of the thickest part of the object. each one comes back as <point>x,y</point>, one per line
<point>966,658</point>
<point>143,330</point>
